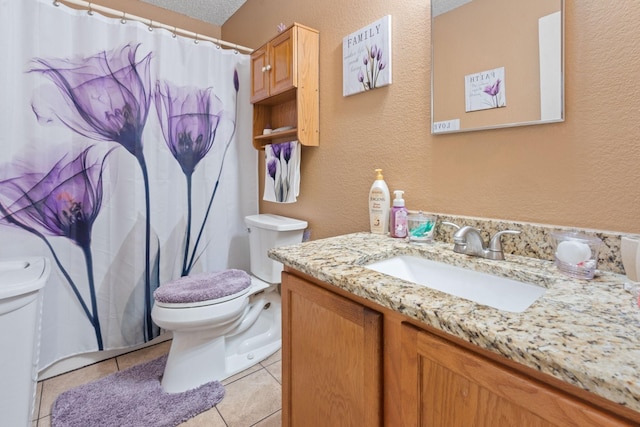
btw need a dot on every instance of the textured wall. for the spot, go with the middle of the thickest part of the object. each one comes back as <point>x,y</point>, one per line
<point>583,172</point>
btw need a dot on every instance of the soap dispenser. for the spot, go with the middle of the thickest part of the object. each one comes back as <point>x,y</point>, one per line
<point>399,215</point>
<point>379,205</point>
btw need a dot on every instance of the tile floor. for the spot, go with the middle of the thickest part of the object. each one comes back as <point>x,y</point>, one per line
<point>252,397</point>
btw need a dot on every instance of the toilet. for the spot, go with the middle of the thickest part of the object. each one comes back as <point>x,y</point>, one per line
<point>225,322</point>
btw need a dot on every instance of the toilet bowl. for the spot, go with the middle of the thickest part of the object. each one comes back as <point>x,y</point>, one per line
<point>225,322</point>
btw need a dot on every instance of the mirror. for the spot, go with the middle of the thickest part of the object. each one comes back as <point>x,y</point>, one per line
<point>496,63</point>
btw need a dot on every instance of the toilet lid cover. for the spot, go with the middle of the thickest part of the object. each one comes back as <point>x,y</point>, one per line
<point>203,287</point>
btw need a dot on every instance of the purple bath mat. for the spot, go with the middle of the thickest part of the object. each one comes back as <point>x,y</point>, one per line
<point>132,398</point>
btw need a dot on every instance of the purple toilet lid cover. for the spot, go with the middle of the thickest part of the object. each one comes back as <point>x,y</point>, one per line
<point>203,287</point>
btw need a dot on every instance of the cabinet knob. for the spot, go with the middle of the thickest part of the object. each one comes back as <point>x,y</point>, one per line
<point>268,67</point>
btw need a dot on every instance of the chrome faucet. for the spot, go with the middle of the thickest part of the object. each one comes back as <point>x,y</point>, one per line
<point>467,240</point>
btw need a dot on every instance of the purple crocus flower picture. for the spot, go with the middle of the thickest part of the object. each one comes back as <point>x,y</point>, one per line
<point>189,118</point>
<point>494,91</point>
<point>373,65</point>
<point>62,202</point>
<point>105,97</point>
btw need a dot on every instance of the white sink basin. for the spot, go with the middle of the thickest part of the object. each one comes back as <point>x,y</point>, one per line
<point>483,288</point>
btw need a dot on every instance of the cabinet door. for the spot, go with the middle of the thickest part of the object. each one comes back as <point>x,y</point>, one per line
<point>447,385</point>
<point>332,359</point>
<point>281,59</point>
<point>259,74</point>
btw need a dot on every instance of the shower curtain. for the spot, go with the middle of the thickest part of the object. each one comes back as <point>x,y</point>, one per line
<point>125,159</point>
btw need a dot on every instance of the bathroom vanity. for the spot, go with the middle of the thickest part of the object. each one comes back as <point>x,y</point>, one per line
<point>364,348</point>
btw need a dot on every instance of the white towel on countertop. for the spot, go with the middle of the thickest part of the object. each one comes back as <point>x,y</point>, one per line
<point>282,172</point>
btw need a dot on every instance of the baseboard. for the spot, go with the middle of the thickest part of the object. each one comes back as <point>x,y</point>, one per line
<point>81,360</point>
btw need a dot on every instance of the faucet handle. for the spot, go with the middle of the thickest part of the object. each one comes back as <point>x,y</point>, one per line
<point>457,247</point>
<point>456,226</point>
<point>495,244</point>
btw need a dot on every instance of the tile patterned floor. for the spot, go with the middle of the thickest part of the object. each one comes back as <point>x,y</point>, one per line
<point>253,397</point>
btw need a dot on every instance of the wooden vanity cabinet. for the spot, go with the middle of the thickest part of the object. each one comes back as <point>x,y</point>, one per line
<point>332,360</point>
<point>284,87</point>
<point>340,369</point>
<point>447,385</point>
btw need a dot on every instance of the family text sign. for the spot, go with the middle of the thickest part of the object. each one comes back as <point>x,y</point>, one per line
<point>366,57</point>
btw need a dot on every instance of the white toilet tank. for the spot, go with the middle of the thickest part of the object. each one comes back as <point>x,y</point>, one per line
<point>268,231</point>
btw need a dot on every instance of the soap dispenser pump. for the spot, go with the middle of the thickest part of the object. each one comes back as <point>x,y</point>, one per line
<point>399,215</point>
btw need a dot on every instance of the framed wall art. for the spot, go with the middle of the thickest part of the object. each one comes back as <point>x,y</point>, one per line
<point>366,57</point>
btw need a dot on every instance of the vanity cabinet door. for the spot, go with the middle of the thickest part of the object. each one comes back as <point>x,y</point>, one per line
<point>331,358</point>
<point>447,385</point>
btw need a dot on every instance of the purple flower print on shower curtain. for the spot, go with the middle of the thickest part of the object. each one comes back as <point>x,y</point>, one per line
<point>105,97</point>
<point>189,118</point>
<point>194,253</point>
<point>63,202</point>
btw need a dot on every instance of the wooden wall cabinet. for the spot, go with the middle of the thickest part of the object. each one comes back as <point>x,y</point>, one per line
<point>284,88</point>
<point>272,66</point>
<point>340,369</point>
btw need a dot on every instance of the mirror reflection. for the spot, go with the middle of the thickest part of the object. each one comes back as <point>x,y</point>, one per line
<point>496,63</point>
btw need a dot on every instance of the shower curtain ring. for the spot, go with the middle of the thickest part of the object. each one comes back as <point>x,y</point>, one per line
<point>174,35</point>
<point>151,25</point>
<point>90,11</point>
<point>56,3</point>
<point>124,18</point>
<point>196,40</point>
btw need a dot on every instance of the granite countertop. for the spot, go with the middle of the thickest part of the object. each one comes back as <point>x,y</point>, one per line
<point>586,333</point>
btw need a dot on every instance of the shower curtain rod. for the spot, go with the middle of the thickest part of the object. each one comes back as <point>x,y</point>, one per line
<point>152,24</point>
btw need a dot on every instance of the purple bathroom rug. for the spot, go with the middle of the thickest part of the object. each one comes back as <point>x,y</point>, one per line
<point>132,398</point>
